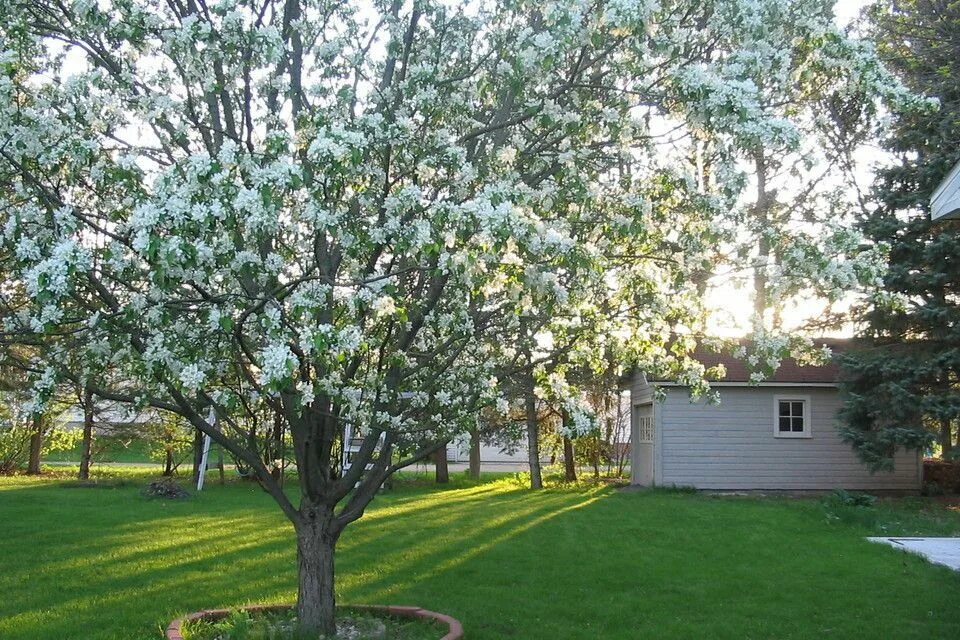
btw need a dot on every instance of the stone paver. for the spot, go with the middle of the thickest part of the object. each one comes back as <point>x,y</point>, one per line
<point>945,551</point>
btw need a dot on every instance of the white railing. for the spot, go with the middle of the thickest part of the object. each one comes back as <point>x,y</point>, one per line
<point>645,429</point>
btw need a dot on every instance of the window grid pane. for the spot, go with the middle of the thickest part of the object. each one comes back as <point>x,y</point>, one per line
<point>790,418</point>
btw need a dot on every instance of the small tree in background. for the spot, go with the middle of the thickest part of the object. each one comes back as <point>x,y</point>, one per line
<point>26,436</point>
<point>86,401</point>
<point>170,441</point>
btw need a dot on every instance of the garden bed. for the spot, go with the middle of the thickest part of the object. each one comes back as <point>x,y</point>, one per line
<point>278,622</point>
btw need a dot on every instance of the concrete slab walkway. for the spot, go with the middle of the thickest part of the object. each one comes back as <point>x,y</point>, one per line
<point>945,551</point>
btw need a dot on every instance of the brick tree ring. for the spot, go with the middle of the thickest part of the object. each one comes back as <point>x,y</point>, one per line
<point>454,628</point>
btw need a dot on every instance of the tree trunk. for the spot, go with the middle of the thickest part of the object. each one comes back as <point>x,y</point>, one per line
<point>440,464</point>
<point>596,457</point>
<point>533,440</point>
<point>168,463</point>
<point>605,445</point>
<point>315,599</point>
<point>197,455</point>
<point>36,445</point>
<point>87,444</point>
<point>277,445</point>
<point>946,442</point>
<point>761,212</point>
<point>569,464</point>
<point>475,454</point>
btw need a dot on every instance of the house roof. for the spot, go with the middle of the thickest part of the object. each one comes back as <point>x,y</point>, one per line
<point>945,202</point>
<point>788,372</point>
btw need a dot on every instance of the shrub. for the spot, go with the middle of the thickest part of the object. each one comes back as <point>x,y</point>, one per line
<point>677,488</point>
<point>932,489</point>
<point>842,497</point>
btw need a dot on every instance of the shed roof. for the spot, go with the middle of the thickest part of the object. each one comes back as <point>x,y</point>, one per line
<point>788,372</point>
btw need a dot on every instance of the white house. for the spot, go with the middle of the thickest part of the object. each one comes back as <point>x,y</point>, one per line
<point>108,415</point>
<point>778,435</point>
<point>945,202</point>
<point>515,454</point>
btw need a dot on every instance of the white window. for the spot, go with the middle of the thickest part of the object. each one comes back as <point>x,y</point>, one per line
<point>791,417</point>
<point>643,423</point>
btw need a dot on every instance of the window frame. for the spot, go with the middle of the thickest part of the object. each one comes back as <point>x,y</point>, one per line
<point>807,417</point>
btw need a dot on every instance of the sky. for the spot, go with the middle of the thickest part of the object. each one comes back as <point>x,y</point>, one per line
<point>847,10</point>
<point>731,308</point>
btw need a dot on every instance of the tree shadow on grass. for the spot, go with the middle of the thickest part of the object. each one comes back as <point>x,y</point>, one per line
<point>118,566</point>
<point>570,564</point>
<point>103,564</point>
<point>608,565</point>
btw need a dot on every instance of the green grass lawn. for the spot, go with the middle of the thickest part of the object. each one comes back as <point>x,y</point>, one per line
<point>580,563</point>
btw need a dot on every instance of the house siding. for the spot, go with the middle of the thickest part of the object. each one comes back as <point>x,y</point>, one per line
<point>732,445</point>
<point>513,453</point>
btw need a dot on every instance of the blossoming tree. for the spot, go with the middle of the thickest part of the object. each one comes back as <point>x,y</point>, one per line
<point>362,215</point>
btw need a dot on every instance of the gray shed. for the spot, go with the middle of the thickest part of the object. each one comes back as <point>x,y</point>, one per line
<point>780,434</point>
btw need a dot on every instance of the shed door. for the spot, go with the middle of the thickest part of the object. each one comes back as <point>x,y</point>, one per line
<point>643,444</point>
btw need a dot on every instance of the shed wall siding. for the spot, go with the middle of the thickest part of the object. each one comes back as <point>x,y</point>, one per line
<point>732,446</point>
<point>641,392</point>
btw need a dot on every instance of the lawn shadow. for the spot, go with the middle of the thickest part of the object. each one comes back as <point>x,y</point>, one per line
<point>572,563</point>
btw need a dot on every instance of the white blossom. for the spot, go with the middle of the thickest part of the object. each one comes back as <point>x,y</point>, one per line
<point>192,377</point>
<point>276,364</point>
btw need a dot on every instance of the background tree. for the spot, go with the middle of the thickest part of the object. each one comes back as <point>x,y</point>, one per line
<point>789,234</point>
<point>86,402</point>
<point>347,212</point>
<point>170,441</point>
<point>903,385</point>
<point>504,431</point>
<point>26,431</point>
<point>25,436</point>
<point>607,447</point>
<point>441,468</point>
